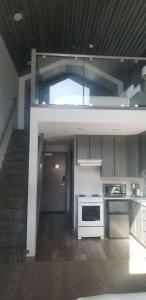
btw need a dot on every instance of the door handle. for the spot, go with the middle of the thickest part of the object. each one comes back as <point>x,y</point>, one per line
<point>63,180</point>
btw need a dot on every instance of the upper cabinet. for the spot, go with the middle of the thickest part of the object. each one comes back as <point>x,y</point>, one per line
<point>120,156</point>
<point>132,156</point>
<point>88,147</point>
<point>82,147</point>
<point>107,156</point>
<point>95,147</point>
<point>114,156</point>
<point>142,154</point>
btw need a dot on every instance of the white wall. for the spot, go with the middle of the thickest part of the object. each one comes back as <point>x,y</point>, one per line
<point>8,91</point>
<point>21,100</point>
<point>40,174</point>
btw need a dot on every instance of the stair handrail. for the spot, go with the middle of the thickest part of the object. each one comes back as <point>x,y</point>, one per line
<point>11,113</point>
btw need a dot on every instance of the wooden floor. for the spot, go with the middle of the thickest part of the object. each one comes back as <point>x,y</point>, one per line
<point>67,268</point>
<point>57,242</point>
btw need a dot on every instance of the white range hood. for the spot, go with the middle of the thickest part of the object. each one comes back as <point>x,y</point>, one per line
<point>89,162</point>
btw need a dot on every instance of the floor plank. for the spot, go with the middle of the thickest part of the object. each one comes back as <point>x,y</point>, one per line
<point>69,268</point>
<point>56,241</point>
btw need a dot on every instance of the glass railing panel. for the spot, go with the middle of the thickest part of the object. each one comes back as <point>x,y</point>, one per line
<point>90,81</point>
<point>58,80</point>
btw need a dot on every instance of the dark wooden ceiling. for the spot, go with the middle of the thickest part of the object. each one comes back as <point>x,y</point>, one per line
<point>114,27</point>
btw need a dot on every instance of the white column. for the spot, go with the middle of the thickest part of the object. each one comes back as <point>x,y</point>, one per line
<point>32,189</point>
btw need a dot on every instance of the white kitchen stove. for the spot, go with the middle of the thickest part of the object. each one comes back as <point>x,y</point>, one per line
<point>90,216</point>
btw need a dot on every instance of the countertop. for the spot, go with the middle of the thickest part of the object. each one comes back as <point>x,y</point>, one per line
<point>141,200</point>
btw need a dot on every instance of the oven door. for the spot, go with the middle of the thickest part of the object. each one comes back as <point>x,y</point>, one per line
<point>90,214</point>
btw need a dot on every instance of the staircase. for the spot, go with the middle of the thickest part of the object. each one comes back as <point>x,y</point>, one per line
<point>13,198</point>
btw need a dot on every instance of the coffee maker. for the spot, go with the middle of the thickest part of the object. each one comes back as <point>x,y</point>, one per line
<point>135,187</point>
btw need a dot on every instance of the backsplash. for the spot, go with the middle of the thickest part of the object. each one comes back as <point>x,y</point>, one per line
<point>88,181</point>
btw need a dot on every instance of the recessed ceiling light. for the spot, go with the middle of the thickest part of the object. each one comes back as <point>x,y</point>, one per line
<point>44,56</point>
<point>117,129</point>
<point>82,129</point>
<point>57,166</point>
<point>48,154</point>
<point>18,17</point>
<point>91,46</point>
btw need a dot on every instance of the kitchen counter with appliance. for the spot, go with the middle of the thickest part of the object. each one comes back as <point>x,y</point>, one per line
<point>125,214</point>
<point>110,213</point>
<point>141,200</point>
<point>117,198</point>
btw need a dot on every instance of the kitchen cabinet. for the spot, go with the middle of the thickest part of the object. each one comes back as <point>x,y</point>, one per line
<point>88,147</point>
<point>114,156</point>
<point>108,156</point>
<point>120,156</point>
<point>144,225</point>
<point>137,219</point>
<point>139,222</point>
<point>132,218</point>
<point>95,147</point>
<point>142,154</point>
<point>132,156</point>
<point>82,147</point>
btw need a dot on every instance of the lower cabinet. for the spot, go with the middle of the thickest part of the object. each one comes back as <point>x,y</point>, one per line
<point>144,226</point>
<point>137,220</point>
<point>132,218</point>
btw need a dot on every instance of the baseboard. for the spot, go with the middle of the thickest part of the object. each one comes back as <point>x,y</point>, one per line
<point>30,259</point>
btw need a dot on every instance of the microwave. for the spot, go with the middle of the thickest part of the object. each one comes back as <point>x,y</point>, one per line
<point>114,190</point>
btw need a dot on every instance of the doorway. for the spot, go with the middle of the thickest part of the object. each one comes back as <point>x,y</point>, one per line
<point>54,188</point>
<point>55,220</point>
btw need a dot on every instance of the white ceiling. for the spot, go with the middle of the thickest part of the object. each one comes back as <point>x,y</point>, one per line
<point>64,132</point>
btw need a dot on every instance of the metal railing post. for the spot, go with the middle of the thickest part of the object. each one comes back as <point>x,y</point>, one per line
<point>33,76</point>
